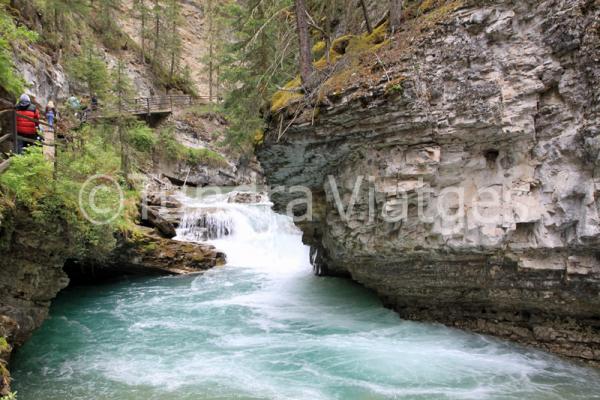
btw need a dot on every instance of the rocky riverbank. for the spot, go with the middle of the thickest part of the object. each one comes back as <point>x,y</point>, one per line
<point>37,262</point>
<point>494,99</point>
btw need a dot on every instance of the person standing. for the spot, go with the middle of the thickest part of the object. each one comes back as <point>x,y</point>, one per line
<point>74,104</point>
<point>51,114</point>
<point>28,122</point>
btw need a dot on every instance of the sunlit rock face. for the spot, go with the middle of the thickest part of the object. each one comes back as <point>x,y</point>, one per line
<point>479,202</point>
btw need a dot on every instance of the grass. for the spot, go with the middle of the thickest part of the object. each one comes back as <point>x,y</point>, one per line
<point>175,151</point>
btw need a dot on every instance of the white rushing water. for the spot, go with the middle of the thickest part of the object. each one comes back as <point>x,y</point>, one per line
<point>264,327</point>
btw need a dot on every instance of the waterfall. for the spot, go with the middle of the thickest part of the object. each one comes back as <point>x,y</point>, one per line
<point>251,234</point>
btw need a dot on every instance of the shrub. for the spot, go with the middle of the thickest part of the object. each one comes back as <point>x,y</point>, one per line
<point>142,138</point>
<point>175,151</point>
<point>11,35</point>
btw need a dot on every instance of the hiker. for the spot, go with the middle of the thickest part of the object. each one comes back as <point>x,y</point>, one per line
<point>26,128</point>
<point>51,114</point>
<point>94,102</point>
<point>74,104</point>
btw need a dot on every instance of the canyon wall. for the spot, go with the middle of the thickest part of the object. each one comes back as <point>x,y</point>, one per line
<point>498,100</point>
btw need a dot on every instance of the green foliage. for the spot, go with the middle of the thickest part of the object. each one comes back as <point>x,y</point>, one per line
<point>64,199</point>
<point>122,87</point>
<point>90,68</point>
<point>106,21</point>
<point>142,138</point>
<point>204,157</point>
<point>28,177</point>
<point>11,36</point>
<point>54,204</point>
<point>260,57</point>
<point>61,20</point>
<point>168,146</point>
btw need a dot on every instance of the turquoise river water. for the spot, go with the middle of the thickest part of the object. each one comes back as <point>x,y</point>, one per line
<point>264,327</point>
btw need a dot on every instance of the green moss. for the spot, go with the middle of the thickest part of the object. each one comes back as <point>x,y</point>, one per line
<point>348,48</point>
<point>204,157</point>
<point>290,93</point>
<point>4,346</point>
<point>150,248</point>
<point>318,50</point>
<point>259,136</point>
<point>424,13</point>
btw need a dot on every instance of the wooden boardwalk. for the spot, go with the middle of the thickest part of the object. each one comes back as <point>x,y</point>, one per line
<point>158,105</point>
<point>141,106</point>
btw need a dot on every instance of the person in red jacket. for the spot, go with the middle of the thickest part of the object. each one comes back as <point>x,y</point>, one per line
<point>25,127</point>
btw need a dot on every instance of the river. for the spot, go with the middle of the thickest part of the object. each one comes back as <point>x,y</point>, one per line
<point>264,327</point>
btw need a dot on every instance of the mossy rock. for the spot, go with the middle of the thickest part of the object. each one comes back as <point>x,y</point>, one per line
<point>290,93</point>
<point>319,48</point>
<point>4,346</point>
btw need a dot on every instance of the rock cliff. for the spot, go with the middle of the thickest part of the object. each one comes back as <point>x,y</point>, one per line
<point>477,139</point>
<point>37,261</point>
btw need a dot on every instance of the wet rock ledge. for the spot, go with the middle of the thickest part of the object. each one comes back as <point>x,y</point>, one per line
<point>145,253</point>
<point>36,262</point>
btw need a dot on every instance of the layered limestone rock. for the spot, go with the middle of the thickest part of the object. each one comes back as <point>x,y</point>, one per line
<point>36,262</point>
<point>145,253</point>
<point>472,160</point>
<point>201,131</point>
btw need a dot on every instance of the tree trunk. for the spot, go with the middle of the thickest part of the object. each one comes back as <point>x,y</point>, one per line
<point>143,32</point>
<point>211,39</point>
<point>395,15</point>
<point>263,52</point>
<point>172,69</point>
<point>210,73</point>
<point>366,15</point>
<point>306,67</point>
<point>156,33</point>
<point>217,86</point>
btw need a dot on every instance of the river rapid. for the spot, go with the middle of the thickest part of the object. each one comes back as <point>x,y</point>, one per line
<point>264,327</point>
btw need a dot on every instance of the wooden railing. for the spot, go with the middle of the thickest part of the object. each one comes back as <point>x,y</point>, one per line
<point>137,106</point>
<point>148,105</point>
<point>49,138</point>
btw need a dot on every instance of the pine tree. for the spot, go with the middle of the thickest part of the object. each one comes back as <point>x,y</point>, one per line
<point>122,89</point>
<point>210,14</point>
<point>142,13</point>
<point>256,55</point>
<point>58,14</point>
<point>90,68</point>
<point>156,10</point>
<point>173,44</point>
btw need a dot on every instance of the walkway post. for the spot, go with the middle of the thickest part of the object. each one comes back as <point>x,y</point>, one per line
<point>15,134</point>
